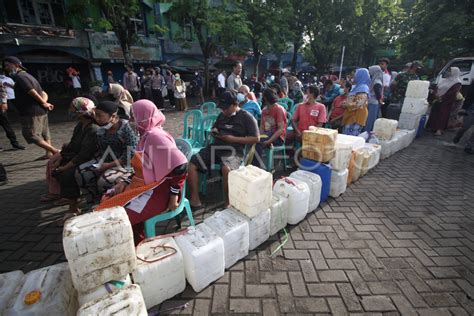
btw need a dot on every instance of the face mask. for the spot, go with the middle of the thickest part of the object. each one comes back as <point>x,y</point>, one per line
<point>240,97</point>
<point>13,72</point>
<point>341,91</point>
<point>107,126</point>
<point>176,77</point>
<point>305,98</point>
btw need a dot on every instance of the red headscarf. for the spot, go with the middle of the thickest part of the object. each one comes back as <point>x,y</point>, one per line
<point>160,154</point>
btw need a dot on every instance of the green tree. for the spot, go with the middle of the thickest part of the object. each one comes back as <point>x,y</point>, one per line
<point>267,27</point>
<point>300,14</point>
<point>363,26</point>
<point>117,15</point>
<point>225,22</point>
<point>439,29</point>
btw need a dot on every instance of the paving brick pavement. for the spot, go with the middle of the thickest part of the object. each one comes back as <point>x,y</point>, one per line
<point>399,241</point>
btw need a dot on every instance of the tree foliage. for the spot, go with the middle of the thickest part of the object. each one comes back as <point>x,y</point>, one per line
<point>439,29</point>
<point>117,17</point>
<point>215,25</point>
<point>267,28</point>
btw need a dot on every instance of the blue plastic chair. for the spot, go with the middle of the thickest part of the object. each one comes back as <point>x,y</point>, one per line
<point>270,152</point>
<point>208,108</point>
<point>207,124</point>
<point>193,132</point>
<point>150,225</point>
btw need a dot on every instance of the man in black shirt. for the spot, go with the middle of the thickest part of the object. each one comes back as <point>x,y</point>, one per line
<point>32,105</point>
<point>233,129</point>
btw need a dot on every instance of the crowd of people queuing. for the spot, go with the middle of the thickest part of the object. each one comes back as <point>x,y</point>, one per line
<point>120,154</point>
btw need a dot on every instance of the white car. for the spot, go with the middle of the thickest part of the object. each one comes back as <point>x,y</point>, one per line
<point>465,64</point>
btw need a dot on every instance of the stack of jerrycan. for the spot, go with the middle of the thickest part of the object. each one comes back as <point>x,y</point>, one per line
<point>385,129</point>
<point>319,144</point>
<point>203,253</point>
<point>343,163</point>
<point>250,193</point>
<point>159,270</point>
<point>297,193</point>
<point>322,170</point>
<point>415,105</point>
<point>46,291</point>
<point>100,250</point>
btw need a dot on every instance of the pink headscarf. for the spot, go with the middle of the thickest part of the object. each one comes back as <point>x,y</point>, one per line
<point>160,154</point>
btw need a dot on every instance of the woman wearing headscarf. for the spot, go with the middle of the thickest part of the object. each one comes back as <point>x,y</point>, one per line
<point>446,93</point>
<point>116,142</point>
<point>160,171</point>
<point>296,93</point>
<point>376,96</point>
<point>180,93</point>
<point>81,148</point>
<point>123,98</point>
<point>355,114</point>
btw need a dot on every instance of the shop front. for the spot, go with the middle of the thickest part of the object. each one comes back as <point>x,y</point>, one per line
<point>107,55</point>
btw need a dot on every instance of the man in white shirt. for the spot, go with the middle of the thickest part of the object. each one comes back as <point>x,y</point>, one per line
<point>6,84</point>
<point>221,83</point>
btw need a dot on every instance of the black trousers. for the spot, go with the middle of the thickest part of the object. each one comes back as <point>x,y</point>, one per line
<point>157,98</point>
<point>171,97</point>
<point>5,123</point>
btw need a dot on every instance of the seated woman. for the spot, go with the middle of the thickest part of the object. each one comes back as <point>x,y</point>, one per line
<point>81,148</point>
<point>123,98</point>
<point>355,114</point>
<point>160,171</point>
<point>337,110</point>
<point>116,144</point>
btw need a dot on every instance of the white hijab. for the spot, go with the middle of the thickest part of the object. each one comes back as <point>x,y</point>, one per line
<point>446,83</point>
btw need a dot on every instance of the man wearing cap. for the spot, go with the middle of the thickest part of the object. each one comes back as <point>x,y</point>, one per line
<point>233,129</point>
<point>399,85</point>
<point>32,105</point>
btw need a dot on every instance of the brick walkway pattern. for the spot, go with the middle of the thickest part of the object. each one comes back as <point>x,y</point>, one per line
<point>399,241</point>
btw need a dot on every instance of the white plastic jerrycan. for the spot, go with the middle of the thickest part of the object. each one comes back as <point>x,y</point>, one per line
<point>297,193</point>
<point>160,270</point>
<point>234,230</point>
<point>314,183</point>
<point>250,190</point>
<point>46,291</point>
<point>203,254</point>
<point>102,290</point>
<point>338,183</point>
<point>125,302</point>
<point>10,283</point>
<point>99,247</point>
<point>259,226</point>
<point>279,214</point>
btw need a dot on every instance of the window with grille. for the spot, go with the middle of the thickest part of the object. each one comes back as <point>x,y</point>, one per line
<point>39,12</point>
